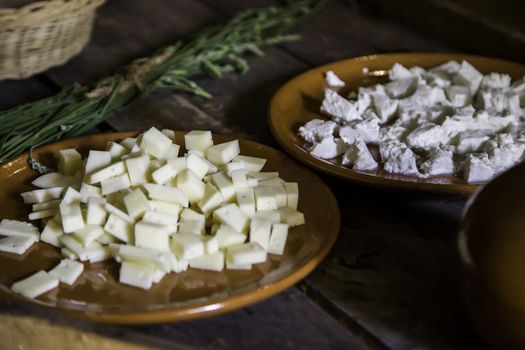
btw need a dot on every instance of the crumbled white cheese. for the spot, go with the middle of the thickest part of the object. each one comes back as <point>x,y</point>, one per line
<point>477,168</point>
<point>359,157</point>
<point>398,158</point>
<point>366,130</point>
<point>328,148</point>
<point>333,81</point>
<point>439,162</point>
<point>316,130</point>
<point>339,107</point>
<point>427,137</point>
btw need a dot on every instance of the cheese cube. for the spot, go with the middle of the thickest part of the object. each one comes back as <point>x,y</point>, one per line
<point>232,216</point>
<point>136,204</point>
<point>272,215</point>
<point>71,217</point>
<point>108,172</point>
<point>53,180</point>
<point>246,254</point>
<point>158,275</point>
<point>96,213</point>
<point>115,184</point>
<point>18,228</point>
<point>168,194</point>
<point>16,244</point>
<point>291,217</point>
<point>111,209</point>
<point>155,143</point>
<point>128,142</point>
<point>212,262</point>
<point>198,140</point>
<point>232,166</point>
<point>43,195</point>
<point>179,164</point>
<point>173,152</point>
<point>136,274</point>
<point>169,133</point>
<point>187,245</point>
<point>69,161</point>
<point>212,168</point>
<point>260,230</point>
<point>119,228</point>
<point>138,169</point>
<point>46,205</point>
<point>278,239</point>
<point>191,185</point>
<point>165,207</point>
<point>71,196</point>
<point>192,215</point>
<point>67,271</point>
<point>239,179</point>
<point>227,236</point>
<point>87,191</point>
<point>68,253</point>
<point>224,185</point>
<point>194,226</point>
<point>153,236</point>
<point>88,234</point>
<point>280,195</point>
<point>292,194</point>
<point>93,252</point>
<point>96,160</point>
<point>116,151</point>
<point>212,199</point>
<point>42,214</point>
<point>246,200</point>
<point>265,198</point>
<point>211,244</point>
<point>197,164</point>
<point>106,238</point>
<point>252,164</point>
<point>223,153</point>
<point>51,233</point>
<point>265,175</point>
<point>168,220</point>
<point>163,174</point>
<point>274,181</point>
<point>158,259</point>
<point>35,285</point>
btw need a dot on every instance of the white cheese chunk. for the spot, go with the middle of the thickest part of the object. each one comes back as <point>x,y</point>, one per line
<point>315,130</point>
<point>252,164</point>
<point>198,140</point>
<point>110,171</point>
<point>71,217</point>
<point>115,184</point>
<point>477,168</point>
<point>339,108</point>
<point>272,215</point>
<point>233,216</point>
<point>52,233</point>
<point>92,252</point>
<point>260,230</point>
<point>265,198</point>
<point>116,151</point>
<point>227,236</point>
<point>187,246</point>
<point>119,228</point>
<point>223,153</point>
<point>136,274</point>
<point>164,174</point>
<point>69,161</point>
<point>165,207</point>
<point>212,199</point>
<point>191,185</point>
<point>246,254</point>
<point>53,180</point>
<point>246,200</point>
<point>385,107</point>
<point>292,194</point>
<point>68,253</point>
<point>401,88</point>
<point>155,143</point>
<point>158,259</point>
<point>212,262</point>
<point>211,244</point>
<point>111,209</point>
<point>168,194</point>
<point>136,204</point>
<point>151,235</point>
<point>129,142</point>
<point>71,196</point>
<point>35,285</point>
<point>16,244</point>
<point>468,76</point>
<point>46,205</point>
<point>42,214</point>
<point>88,234</point>
<point>67,271</point>
<point>359,157</point>
<point>173,152</point>
<point>278,239</point>
<point>97,160</point>
<point>87,191</point>
<point>138,169</point>
<point>231,266</point>
<point>198,165</point>
<point>96,212</point>
<point>192,226</point>
<point>333,81</point>
<point>43,195</point>
<point>224,185</point>
<point>439,162</point>
<point>291,217</point>
<point>398,158</point>
<point>328,148</point>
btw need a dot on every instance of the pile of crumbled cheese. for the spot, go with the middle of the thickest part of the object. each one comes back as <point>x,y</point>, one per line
<point>450,119</point>
<point>155,212</point>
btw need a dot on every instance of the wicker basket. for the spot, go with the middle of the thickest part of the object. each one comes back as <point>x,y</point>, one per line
<point>43,34</point>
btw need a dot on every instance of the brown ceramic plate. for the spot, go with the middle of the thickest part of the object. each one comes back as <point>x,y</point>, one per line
<point>193,294</point>
<point>492,246</point>
<point>299,100</point>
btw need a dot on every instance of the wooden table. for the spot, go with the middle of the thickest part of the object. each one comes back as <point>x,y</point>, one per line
<point>391,280</point>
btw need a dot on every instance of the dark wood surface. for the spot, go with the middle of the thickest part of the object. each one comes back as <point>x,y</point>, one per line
<point>391,280</point>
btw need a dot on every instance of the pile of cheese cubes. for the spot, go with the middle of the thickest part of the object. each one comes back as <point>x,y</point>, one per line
<point>155,212</point>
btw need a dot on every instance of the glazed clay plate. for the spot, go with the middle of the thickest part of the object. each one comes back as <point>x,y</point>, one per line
<point>98,295</point>
<point>492,245</point>
<point>299,101</point>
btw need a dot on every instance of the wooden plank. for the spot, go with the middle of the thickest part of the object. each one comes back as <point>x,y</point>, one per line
<point>125,30</point>
<point>286,321</point>
<point>17,92</point>
<point>394,269</point>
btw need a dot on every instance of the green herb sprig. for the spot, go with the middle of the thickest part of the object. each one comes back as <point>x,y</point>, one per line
<point>216,51</point>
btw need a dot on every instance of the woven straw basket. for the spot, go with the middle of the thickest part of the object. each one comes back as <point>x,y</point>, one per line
<point>43,34</point>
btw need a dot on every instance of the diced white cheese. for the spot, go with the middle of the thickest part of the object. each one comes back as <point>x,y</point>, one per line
<point>16,244</point>
<point>46,205</point>
<point>191,226</point>
<point>188,246</point>
<point>92,252</point>
<point>53,180</point>
<point>252,164</point>
<point>97,160</point>
<point>111,209</point>
<point>88,234</point>
<point>96,213</point>
<point>224,185</point>
<point>227,236</point>
<point>213,262</point>
<point>87,191</point>
<point>198,165</point>
<point>42,214</point>
<point>292,194</point>
<point>163,174</point>
<point>246,200</point>
<point>71,217</point>
<point>212,199</point>
<point>71,196</point>
<point>51,233</point>
<point>265,198</point>
<point>231,266</point>
<point>385,107</point>
<point>291,217</point>
<point>128,142</point>
<point>153,236</point>
<point>239,179</point>
<point>159,259</point>
<point>138,168</point>
<point>35,285</point>
<point>223,153</point>
<point>168,194</point>
<point>155,143</point>
<point>211,244</point>
<point>278,239</point>
<point>43,195</point>
<point>67,271</point>
<point>68,253</point>
<point>198,140</point>
<point>116,151</point>
<point>173,152</point>
<point>119,228</point>
<point>168,220</point>
<point>260,230</point>
<point>246,254</point>
<point>272,215</point>
<point>69,161</point>
<point>232,215</point>
<point>113,170</point>
<point>136,204</point>
<point>136,274</point>
<point>191,185</point>
<point>165,207</point>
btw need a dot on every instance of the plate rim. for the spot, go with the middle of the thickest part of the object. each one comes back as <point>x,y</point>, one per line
<point>199,309</point>
<point>347,174</point>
